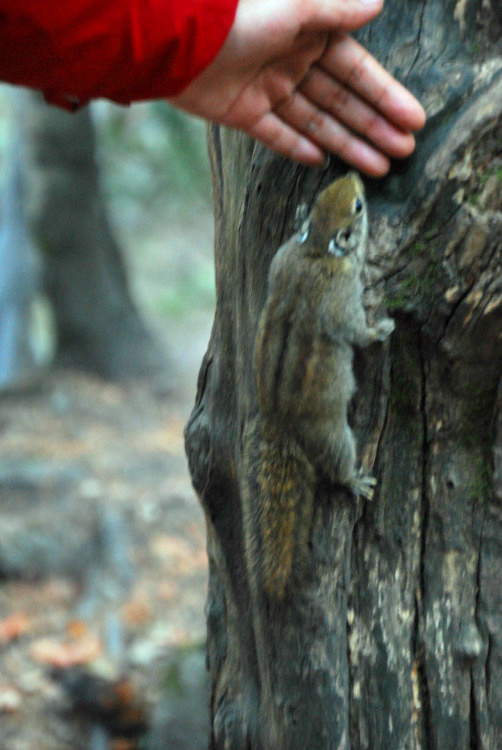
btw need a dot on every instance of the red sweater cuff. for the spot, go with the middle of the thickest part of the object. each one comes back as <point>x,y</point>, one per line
<point>124,50</point>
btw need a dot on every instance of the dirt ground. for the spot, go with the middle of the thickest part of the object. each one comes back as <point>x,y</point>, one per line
<point>103,566</point>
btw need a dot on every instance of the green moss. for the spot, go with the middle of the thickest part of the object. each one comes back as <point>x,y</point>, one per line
<point>417,249</point>
<point>424,274</point>
<point>474,197</point>
<point>497,171</point>
<point>395,301</point>
<point>419,286</point>
<point>476,423</point>
<point>430,277</point>
<point>403,392</point>
<point>431,232</point>
<point>406,292</point>
<point>479,487</point>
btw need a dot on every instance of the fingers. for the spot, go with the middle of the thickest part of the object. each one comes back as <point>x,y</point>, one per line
<point>349,63</point>
<point>331,135</point>
<point>337,100</point>
<point>279,136</point>
<point>347,94</point>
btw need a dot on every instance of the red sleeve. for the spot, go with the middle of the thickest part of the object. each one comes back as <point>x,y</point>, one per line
<point>124,50</point>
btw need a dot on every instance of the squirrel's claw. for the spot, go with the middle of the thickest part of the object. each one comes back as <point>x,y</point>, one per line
<point>363,485</point>
<point>384,328</point>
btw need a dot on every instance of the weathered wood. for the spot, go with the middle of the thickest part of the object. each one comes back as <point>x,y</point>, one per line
<point>394,642</point>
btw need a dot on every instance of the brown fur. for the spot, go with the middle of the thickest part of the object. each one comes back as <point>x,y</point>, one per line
<point>312,318</point>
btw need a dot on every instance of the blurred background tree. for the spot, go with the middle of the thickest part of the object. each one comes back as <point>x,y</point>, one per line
<point>82,187</point>
<point>19,275</point>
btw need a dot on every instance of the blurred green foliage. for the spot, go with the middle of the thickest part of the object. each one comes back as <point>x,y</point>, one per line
<point>156,182</point>
<point>195,287</point>
<point>151,154</point>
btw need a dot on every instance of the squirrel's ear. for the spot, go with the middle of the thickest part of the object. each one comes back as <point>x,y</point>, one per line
<point>304,232</point>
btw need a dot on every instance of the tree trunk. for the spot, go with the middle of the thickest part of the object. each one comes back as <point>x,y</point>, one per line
<point>397,645</point>
<point>98,325</point>
<point>19,274</point>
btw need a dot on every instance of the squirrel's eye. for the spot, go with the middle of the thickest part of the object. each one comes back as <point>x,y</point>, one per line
<point>358,206</point>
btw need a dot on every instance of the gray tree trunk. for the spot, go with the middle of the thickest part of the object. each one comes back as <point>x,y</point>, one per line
<point>98,324</point>
<point>398,644</point>
<point>19,269</point>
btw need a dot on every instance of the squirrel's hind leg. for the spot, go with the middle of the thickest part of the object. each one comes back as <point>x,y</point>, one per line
<point>345,472</point>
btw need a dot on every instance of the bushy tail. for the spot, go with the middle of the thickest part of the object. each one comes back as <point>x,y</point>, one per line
<point>282,493</point>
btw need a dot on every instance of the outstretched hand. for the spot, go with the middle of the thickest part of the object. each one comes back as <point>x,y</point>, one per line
<point>289,75</point>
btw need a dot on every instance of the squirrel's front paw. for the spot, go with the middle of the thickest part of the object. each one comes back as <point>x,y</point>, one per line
<point>384,329</point>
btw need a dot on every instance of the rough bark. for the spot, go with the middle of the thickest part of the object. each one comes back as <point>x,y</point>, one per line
<point>395,640</point>
<point>98,325</point>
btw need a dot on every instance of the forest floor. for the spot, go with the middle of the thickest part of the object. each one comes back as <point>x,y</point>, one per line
<point>103,567</point>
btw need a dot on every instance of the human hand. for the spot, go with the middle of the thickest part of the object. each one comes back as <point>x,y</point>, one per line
<point>289,75</point>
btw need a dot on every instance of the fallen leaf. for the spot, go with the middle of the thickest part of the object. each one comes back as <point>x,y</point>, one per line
<point>123,744</point>
<point>77,629</point>
<point>66,654</point>
<point>13,627</point>
<point>136,611</point>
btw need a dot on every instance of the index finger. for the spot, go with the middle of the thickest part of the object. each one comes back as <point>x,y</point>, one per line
<point>348,62</point>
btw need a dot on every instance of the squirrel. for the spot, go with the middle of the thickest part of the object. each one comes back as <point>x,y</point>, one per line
<point>312,318</point>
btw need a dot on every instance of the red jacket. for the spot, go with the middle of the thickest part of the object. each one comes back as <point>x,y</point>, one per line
<point>124,50</point>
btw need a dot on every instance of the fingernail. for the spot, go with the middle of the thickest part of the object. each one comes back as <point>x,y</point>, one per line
<point>370,2</point>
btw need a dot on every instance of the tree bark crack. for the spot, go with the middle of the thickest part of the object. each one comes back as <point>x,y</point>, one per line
<point>487,670</point>
<point>425,697</point>
<point>473,715</point>
<point>454,309</point>
<point>418,43</point>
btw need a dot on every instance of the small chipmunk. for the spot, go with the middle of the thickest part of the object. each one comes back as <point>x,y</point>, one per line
<point>312,318</point>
